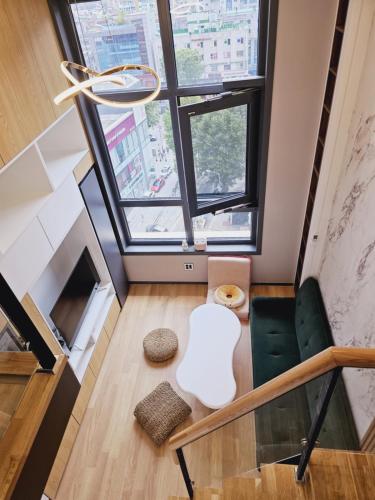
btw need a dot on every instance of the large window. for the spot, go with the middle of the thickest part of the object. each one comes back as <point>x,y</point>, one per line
<point>192,162</point>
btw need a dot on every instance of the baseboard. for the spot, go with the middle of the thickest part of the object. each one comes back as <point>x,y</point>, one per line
<point>200,283</point>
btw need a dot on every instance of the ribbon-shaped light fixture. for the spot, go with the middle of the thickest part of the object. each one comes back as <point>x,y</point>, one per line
<point>105,76</point>
<point>185,8</point>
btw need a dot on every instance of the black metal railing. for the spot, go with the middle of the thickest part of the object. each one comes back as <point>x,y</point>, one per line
<point>325,396</point>
<point>308,444</point>
<point>188,482</point>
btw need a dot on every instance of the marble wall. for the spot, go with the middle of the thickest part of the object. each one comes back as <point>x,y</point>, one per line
<point>347,268</point>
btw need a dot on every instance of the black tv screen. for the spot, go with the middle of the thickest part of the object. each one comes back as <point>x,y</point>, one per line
<point>72,304</point>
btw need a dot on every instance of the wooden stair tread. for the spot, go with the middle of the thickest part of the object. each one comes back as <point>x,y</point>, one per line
<point>240,488</point>
<point>278,482</point>
<point>323,456</point>
<point>208,494</point>
<point>349,474</point>
<point>331,474</point>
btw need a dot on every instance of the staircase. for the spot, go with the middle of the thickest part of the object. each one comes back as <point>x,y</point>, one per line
<point>327,473</point>
<point>331,475</point>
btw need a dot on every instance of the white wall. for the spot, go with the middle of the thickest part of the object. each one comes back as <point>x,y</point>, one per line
<point>304,37</point>
<point>344,258</point>
<point>47,289</point>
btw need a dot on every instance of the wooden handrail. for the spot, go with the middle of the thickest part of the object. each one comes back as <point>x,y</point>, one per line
<point>306,371</point>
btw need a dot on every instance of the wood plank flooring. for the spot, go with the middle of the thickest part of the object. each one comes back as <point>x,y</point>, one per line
<point>112,457</point>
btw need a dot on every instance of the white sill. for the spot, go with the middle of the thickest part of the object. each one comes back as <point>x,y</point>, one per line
<point>212,248</point>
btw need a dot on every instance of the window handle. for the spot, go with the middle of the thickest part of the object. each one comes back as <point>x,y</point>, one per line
<point>235,207</point>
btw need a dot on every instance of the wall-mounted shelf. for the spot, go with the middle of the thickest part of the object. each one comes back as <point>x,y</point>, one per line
<point>30,179</point>
<point>63,146</point>
<point>24,188</point>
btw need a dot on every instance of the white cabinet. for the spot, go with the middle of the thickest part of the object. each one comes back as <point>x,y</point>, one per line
<point>63,146</point>
<point>30,179</point>
<point>24,188</point>
<point>26,259</point>
<point>60,212</point>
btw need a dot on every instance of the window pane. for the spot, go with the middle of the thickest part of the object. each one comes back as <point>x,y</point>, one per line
<point>230,225</point>
<point>140,143</point>
<point>155,222</point>
<point>219,151</point>
<point>194,99</point>
<point>122,32</point>
<point>215,39</point>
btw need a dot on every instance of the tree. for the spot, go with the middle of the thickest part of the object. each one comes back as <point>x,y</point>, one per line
<point>219,146</point>
<point>168,122</point>
<point>152,113</point>
<point>189,66</point>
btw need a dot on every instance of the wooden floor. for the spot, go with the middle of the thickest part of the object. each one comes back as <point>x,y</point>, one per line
<point>112,457</point>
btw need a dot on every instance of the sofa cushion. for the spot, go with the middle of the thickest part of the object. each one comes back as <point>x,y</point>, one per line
<point>311,323</point>
<point>273,338</point>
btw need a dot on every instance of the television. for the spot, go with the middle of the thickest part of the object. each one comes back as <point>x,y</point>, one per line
<point>71,307</point>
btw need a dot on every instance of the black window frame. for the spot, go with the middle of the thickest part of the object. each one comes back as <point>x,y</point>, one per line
<point>172,92</point>
<point>198,205</point>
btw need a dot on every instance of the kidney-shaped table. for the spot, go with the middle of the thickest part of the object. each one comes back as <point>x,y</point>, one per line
<point>206,370</point>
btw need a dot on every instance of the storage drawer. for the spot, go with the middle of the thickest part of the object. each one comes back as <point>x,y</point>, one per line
<point>99,353</point>
<point>82,401</point>
<point>112,317</point>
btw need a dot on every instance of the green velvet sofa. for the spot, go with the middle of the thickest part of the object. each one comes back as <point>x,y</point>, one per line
<point>284,333</point>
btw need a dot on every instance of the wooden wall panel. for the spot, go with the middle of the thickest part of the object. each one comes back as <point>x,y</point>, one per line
<point>37,318</point>
<point>40,459</point>
<point>30,74</point>
<point>42,35</point>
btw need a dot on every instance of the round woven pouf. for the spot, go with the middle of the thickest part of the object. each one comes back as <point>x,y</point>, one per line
<point>160,344</point>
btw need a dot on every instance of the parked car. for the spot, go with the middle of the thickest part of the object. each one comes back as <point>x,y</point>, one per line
<point>158,184</point>
<point>166,171</point>
<point>156,228</point>
<point>152,138</point>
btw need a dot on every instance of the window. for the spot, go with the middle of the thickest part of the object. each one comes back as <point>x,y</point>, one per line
<point>192,162</point>
<point>218,174</point>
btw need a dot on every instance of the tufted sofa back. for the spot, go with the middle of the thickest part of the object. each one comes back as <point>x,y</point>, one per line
<point>314,335</point>
<point>310,320</point>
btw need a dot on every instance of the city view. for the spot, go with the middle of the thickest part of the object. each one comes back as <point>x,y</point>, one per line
<point>213,39</point>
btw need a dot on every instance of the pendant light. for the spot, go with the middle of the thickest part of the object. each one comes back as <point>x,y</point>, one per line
<point>107,76</point>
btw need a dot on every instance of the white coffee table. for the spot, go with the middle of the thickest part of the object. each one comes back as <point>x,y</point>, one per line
<point>206,370</point>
